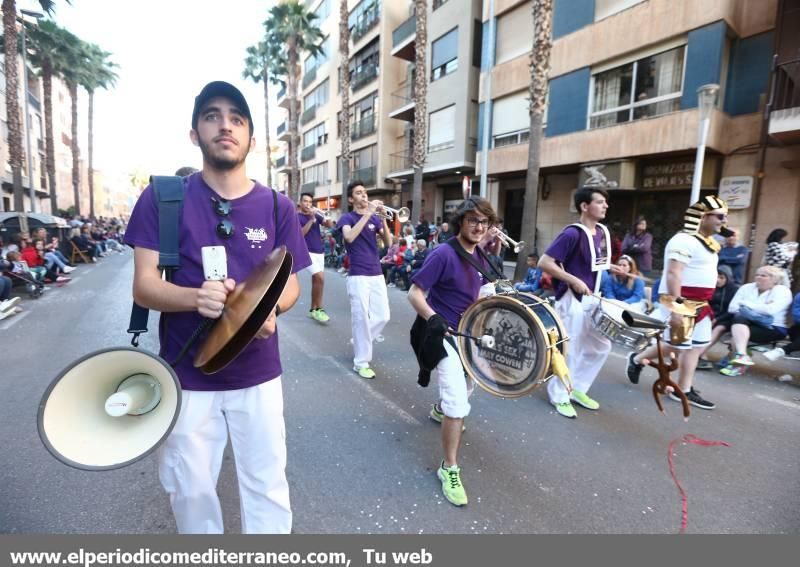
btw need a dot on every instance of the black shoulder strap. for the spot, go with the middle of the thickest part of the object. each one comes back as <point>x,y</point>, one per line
<point>463,253</point>
<point>169,192</point>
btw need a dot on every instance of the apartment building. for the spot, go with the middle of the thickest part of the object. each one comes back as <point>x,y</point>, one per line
<point>623,100</point>
<point>381,110</point>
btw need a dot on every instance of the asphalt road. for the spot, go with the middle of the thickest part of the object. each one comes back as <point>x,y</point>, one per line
<point>362,454</point>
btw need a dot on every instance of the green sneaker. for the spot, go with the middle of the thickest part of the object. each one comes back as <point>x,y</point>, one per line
<point>452,488</point>
<point>312,313</point>
<point>584,400</point>
<point>437,415</point>
<point>364,372</point>
<point>565,409</point>
<point>320,316</point>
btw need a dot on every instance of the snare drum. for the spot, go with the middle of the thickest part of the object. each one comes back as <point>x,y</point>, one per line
<point>519,360</point>
<point>607,319</point>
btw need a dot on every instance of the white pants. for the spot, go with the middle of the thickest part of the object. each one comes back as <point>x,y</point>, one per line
<point>317,263</point>
<point>455,388</point>
<point>369,312</point>
<point>190,459</point>
<point>587,349</point>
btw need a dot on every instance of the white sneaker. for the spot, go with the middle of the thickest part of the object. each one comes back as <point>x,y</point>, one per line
<point>9,304</point>
<point>68,269</point>
<point>7,314</point>
<point>774,354</point>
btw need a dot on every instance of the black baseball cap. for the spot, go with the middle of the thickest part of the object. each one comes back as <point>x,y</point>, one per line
<point>223,89</point>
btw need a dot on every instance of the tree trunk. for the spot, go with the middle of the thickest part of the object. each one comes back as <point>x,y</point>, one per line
<point>91,161</point>
<point>420,107</point>
<point>266,124</point>
<point>294,135</point>
<point>344,117</point>
<point>76,169</point>
<point>47,84</point>
<point>12,101</point>
<point>540,69</point>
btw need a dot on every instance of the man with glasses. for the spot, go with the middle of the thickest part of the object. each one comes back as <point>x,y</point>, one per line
<point>577,258</point>
<point>366,288</point>
<point>311,223</point>
<point>221,207</point>
<point>441,291</point>
<point>690,278</point>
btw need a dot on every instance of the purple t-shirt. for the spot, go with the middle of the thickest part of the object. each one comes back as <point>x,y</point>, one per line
<point>571,250</point>
<point>255,236</point>
<point>363,251</point>
<point>313,236</point>
<point>451,282</point>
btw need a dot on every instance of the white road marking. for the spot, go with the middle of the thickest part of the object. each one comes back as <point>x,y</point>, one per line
<point>778,401</point>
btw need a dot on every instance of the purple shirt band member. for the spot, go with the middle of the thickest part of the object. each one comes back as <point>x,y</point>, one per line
<point>363,251</point>
<point>452,283</point>
<point>254,237</point>
<point>314,236</point>
<point>580,264</point>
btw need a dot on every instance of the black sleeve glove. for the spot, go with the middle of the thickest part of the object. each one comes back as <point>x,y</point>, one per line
<point>437,325</point>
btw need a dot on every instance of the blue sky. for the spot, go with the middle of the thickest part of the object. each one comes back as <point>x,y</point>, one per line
<point>167,50</point>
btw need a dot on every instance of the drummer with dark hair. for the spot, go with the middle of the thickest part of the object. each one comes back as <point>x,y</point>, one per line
<point>576,258</point>
<point>445,286</point>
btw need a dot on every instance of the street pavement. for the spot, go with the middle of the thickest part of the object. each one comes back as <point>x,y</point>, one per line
<point>363,454</point>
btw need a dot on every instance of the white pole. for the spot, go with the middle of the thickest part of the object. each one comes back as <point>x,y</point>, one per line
<point>487,106</point>
<point>697,176</point>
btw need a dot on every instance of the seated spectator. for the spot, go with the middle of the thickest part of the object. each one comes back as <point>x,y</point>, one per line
<point>21,267</point>
<point>627,286</point>
<point>794,335</point>
<point>444,233</point>
<point>398,270</point>
<point>723,294</point>
<point>8,305</point>
<point>387,262</point>
<point>51,252</point>
<point>531,281</point>
<point>416,262</point>
<point>759,314</point>
<point>84,244</point>
<point>33,255</point>
<point>734,256</point>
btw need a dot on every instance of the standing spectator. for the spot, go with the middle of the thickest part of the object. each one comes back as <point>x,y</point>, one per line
<point>735,256</point>
<point>422,231</point>
<point>638,245</point>
<point>616,242</point>
<point>777,253</point>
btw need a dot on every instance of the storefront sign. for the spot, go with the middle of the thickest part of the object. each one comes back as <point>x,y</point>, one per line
<point>736,191</point>
<point>608,175</point>
<point>677,174</point>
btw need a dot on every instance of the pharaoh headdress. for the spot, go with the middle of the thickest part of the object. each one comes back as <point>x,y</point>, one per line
<point>694,214</point>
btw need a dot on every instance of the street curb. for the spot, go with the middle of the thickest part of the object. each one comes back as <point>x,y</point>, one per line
<point>762,367</point>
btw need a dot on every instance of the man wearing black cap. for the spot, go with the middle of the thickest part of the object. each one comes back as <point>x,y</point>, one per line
<point>221,207</point>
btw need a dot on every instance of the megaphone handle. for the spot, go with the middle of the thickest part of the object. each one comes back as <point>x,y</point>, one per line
<point>201,328</point>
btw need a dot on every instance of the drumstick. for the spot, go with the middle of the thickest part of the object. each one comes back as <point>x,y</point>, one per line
<point>640,276</point>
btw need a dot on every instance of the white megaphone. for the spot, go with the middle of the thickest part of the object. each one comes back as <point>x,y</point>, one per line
<point>109,409</point>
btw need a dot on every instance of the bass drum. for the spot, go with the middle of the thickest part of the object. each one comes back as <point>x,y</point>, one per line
<point>519,361</point>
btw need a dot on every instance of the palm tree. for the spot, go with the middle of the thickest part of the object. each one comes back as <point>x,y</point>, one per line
<point>292,27</point>
<point>420,106</point>
<point>12,94</point>
<point>44,41</point>
<point>256,68</point>
<point>540,69</point>
<point>75,73</point>
<point>344,116</point>
<point>100,74</point>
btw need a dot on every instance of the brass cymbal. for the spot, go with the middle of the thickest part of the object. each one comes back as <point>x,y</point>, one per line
<point>246,309</point>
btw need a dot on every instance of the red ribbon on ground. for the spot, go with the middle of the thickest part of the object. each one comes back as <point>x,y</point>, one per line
<point>694,440</point>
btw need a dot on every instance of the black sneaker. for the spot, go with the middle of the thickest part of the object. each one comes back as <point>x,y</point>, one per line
<point>633,369</point>
<point>704,364</point>
<point>694,399</point>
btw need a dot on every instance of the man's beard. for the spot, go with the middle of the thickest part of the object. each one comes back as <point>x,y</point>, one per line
<point>218,162</point>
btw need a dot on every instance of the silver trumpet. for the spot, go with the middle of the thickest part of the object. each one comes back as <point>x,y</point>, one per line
<point>509,242</point>
<point>320,213</point>
<point>402,214</point>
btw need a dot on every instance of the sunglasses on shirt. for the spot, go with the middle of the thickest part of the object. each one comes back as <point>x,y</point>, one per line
<point>223,208</point>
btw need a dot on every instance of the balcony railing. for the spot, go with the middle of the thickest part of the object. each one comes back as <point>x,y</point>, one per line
<point>364,77</point>
<point>402,96</point>
<point>404,30</point>
<point>308,152</point>
<point>366,175</point>
<point>308,115</point>
<point>363,127</point>
<point>309,187</point>
<point>786,93</point>
<point>368,20</point>
<point>280,162</point>
<point>309,77</point>
<point>281,128</point>
<point>400,161</point>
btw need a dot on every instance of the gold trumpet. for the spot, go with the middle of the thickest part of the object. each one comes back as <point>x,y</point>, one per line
<point>402,214</point>
<point>508,242</point>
